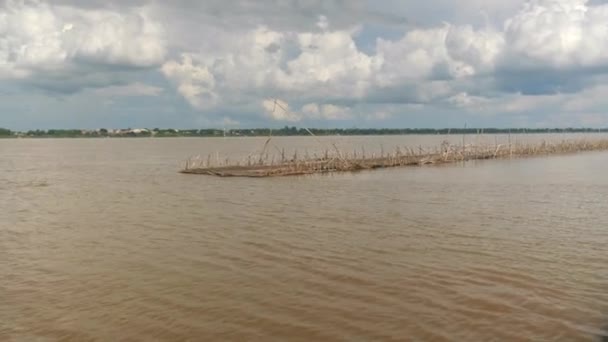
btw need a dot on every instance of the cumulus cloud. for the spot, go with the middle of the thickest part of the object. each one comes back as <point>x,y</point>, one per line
<point>453,65</point>
<point>194,82</point>
<point>38,38</point>
<point>107,37</point>
<point>558,33</point>
<point>264,62</point>
<point>277,109</point>
<point>333,60</point>
<point>473,51</point>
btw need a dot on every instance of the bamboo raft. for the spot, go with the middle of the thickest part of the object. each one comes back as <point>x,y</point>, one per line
<point>264,166</point>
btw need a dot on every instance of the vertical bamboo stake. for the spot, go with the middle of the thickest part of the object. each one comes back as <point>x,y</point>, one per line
<point>463,141</point>
<point>510,147</point>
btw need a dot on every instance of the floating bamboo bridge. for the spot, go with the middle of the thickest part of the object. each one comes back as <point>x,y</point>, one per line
<point>335,160</point>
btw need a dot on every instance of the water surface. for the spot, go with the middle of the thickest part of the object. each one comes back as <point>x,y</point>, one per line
<point>102,239</point>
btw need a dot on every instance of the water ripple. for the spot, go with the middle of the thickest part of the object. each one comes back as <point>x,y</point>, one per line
<point>120,247</point>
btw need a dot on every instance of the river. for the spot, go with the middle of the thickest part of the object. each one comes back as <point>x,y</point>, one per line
<point>102,239</point>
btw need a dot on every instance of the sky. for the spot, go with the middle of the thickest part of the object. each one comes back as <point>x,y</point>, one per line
<point>305,63</point>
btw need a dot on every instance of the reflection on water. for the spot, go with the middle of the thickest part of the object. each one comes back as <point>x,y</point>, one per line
<point>103,239</point>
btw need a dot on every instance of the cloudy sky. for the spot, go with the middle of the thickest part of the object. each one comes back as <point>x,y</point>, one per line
<point>328,63</point>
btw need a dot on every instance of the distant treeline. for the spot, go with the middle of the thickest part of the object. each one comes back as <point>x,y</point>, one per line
<point>289,131</point>
<point>285,131</point>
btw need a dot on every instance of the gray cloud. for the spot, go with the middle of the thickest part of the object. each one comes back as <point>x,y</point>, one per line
<point>78,78</point>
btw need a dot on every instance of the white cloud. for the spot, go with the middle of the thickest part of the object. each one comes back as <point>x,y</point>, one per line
<point>36,37</point>
<point>412,58</point>
<point>473,51</point>
<point>277,109</point>
<point>264,62</point>
<point>128,38</point>
<point>195,83</point>
<point>30,36</point>
<point>331,63</point>
<point>560,33</point>
<point>327,66</point>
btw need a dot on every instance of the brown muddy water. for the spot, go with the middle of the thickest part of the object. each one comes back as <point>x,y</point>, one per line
<point>103,240</point>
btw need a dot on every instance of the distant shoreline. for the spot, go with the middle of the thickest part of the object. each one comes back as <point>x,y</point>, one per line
<point>286,131</point>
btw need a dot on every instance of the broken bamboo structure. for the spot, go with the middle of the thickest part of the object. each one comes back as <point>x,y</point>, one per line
<point>265,165</point>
